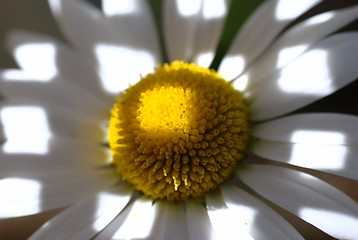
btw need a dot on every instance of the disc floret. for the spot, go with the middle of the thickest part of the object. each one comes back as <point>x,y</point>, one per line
<point>179,132</point>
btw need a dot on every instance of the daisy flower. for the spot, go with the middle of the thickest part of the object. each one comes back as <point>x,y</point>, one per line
<point>153,130</point>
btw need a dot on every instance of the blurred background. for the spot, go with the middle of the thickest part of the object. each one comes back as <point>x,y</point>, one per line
<point>35,16</point>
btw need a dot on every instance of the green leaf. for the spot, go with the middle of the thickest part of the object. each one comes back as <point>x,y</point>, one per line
<point>156,7</point>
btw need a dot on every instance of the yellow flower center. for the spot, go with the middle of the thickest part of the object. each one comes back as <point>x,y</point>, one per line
<point>179,132</point>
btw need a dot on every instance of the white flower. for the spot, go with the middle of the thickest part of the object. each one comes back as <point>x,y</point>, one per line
<point>55,110</point>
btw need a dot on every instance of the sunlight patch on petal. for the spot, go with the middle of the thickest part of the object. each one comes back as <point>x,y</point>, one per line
<point>308,75</point>
<point>85,218</point>
<point>115,7</point>
<point>38,63</point>
<point>26,130</point>
<point>322,128</point>
<point>286,55</point>
<point>321,18</point>
<point>313,146</point>
<point>241,82</point>
<point>10,196</point>
<point>337,159</point>
<point>139,222</point>
<point>286,10</point>
<point>188,8</point>
<point>209,22</point>
<point>321,141</point>
<point>262,221</point>
<point>221,217</point>
<point>225,227</point>
<point>231,66</point>
<point>204,59</point>
<point>318,156</point>
<point>181,24</point>
<point>55,5</point>
<point>314,137</point>
<point>214,9</point>
<point>323,219</point>
<point>246,213</point>
<point>107,201</point>
<point>121,67</point>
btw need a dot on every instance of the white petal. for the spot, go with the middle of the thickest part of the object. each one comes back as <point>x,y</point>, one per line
<point>40,56</point>
<point>60,122</point>
<point>25,195</point>
<point>87,217</point>
<point>298,39</point>
<point>170,222</point>
<point>62,156</point>
<point>313,128</point>
<point>19,196</point>
<point>122,66</point>
<point>286,11</point>
<point>180,22</point>
<point>26,129</point>
<point>259,31</point>
<point>36,58</point>
<point>59,91</point>
<point>136,51</point>
<point>134,222</point>
<point>113,8</point>
<point>82,24</point>
<point>119,62</point>
<point>315,74</point>
<point>221,217</point>
<point>262,221</point>
<point>198,222</point>
<point>337,159</point>
<point>211,22</point>
<point>132,21</point>
<point>307,197</point>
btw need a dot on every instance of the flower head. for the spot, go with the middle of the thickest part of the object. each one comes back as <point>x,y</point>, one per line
<point>179,132</point>
<point>203,134</point>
